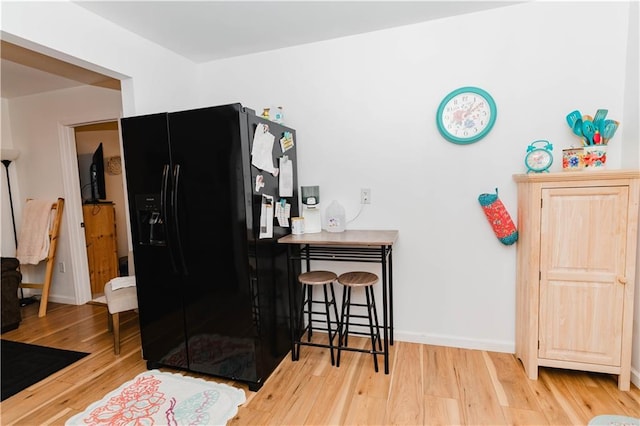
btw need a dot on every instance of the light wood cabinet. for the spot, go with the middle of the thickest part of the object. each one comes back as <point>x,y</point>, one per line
<point>576,261</point>
<point>102,249</point>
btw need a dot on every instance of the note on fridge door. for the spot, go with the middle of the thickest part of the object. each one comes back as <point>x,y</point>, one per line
<point>283,212</point>
<point>261,151</point>
<point>285,184</point>
<point>286,141</point>
<point>266,217</point>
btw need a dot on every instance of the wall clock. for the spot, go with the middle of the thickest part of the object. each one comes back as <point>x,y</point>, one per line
<point>466,115</point>
<point>539,156</point>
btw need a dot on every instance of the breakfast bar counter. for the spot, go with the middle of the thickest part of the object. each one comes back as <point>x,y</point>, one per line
<point>372,246</point>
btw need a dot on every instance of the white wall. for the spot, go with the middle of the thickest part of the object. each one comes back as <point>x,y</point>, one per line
<point>631,159</point>
<point>35,123</point>
<point>8,247</point>
<point>154,77</point>
<point>364,109</point>
<point>630,124</point>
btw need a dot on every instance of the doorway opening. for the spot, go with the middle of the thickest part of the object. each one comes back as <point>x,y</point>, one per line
<point>104,217</point>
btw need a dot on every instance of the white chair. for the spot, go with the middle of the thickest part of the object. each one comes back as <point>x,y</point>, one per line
<point>119,300</point>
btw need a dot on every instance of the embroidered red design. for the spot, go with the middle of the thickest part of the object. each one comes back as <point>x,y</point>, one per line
<point>135,405</point>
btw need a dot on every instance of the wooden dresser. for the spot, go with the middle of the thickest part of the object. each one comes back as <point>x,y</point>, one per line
<point>576,265</point>
<point>102,248</point>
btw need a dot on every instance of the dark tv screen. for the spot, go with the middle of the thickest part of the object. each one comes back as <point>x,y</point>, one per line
<point>98,189</point>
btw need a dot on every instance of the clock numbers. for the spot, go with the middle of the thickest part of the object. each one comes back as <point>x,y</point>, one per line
<point>466,115</point>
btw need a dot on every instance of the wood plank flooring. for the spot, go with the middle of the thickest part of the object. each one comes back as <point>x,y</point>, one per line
<point>430,385</point>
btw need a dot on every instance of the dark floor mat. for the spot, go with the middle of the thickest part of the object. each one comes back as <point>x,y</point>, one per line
<point>24,364</point>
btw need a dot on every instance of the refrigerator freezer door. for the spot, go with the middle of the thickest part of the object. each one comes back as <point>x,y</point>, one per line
<point>146,161</point>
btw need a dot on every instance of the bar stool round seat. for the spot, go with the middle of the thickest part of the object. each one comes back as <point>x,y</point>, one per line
<point>317,277</point>
<point>309,280</point>
<point>366,280</point>
<point>358,279</point>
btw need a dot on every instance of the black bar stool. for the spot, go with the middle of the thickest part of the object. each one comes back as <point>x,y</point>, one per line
<point>351,280</point>
<point>309,280</point>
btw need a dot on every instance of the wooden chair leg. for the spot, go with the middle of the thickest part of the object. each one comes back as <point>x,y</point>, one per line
<point>116,333</point>
<point>51,257</point>
<point>44,299</point>
<point>109,322</point>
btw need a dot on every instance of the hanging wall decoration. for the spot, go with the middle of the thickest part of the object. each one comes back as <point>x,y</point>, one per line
<point>114,165</point>
<point>466,115</point>
<point>499,218</point>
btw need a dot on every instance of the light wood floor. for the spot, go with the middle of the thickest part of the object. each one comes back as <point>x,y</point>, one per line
<point>427,384</point>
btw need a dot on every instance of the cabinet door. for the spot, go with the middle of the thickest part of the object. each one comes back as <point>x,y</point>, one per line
<point>102,251</point>
<point>582,255</point>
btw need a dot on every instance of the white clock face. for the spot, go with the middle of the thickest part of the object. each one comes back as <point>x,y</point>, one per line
<point>466,115</point>
<point>538,159</point>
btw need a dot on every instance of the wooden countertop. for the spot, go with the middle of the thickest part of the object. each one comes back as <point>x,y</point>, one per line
<point>345,238</point>
<point>577,175</point>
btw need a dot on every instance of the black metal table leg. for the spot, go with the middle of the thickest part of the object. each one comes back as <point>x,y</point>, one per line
<point>391,294</point>
<point>292,307</point>
<point>385,309</point>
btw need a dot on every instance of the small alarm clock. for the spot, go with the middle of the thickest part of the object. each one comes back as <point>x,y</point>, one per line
<point>539,156</point>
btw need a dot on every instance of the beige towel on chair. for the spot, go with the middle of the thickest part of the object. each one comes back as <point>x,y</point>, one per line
<point>33,242</point>
<point>122,282</point>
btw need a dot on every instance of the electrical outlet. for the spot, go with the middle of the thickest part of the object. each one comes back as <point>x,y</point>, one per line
<point>365,196</point>
<point>62,267</point>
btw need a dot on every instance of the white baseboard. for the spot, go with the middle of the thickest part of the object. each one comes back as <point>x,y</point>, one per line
<point>456,342</point>
<point>52,297</point>
<point>62,299</point>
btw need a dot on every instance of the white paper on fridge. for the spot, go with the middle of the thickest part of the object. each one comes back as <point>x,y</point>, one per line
<point>261,156</point>
<point>266,217</point>
<point>283,212</point>
<point>285,184</point>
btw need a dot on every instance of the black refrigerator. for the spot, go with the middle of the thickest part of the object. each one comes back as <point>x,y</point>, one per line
<point>213,295</point>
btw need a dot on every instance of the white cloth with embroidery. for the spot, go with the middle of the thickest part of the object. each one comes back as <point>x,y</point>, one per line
<point>154,397</point>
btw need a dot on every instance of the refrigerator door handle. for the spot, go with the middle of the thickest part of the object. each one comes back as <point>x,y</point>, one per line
<point>176,221</point>
<point>163,212</point>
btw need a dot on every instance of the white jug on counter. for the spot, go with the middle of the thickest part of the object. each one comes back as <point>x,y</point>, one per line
<point>334,217</point>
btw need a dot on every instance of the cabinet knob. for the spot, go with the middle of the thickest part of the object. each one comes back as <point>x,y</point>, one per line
<point>622,280</point>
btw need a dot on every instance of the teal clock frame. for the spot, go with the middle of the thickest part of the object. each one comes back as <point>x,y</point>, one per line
<point>475,138</point>
<point>537,146</point>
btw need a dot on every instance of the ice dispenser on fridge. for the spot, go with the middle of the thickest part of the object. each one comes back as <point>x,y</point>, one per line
<point>150,222</point>
<point>311,209</point>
